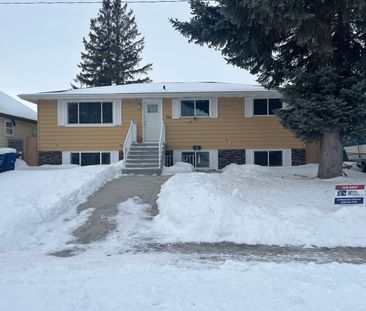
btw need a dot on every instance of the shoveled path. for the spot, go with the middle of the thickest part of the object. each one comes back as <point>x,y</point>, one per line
<point>101,223</point>
<point>105,201</point>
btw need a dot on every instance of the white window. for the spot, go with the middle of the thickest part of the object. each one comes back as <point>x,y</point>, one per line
<point>89,113</point>
<point>268,157</point>
<point>200,159</point>
<point>9,128</point>
<point>85,158</point>
<point>195,108</point>
<point>262,106</point>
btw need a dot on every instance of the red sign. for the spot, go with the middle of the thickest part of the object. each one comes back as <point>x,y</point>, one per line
<point>349,194</point>
<point>350,187</point>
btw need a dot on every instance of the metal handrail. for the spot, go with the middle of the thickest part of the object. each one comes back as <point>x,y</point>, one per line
<point>130,138</point>
<point>161,142</point>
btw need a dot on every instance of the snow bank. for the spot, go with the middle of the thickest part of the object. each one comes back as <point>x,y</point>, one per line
<point>178,167</point>
<point>7,150</point>
<point>139,283</point>
<point>259,205</point>
<point>36,201</point>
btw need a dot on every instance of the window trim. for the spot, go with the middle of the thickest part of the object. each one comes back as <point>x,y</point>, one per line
<point>194,108</point>
<point>286,155</point>
<point>267,99</point>
<point>63,116</point>
<point>268,159</point>
<point>213,158</point>
<point>6,127</point>
<point>114,155</point>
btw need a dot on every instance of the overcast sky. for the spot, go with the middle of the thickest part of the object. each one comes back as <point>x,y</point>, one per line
<point>41,44</point>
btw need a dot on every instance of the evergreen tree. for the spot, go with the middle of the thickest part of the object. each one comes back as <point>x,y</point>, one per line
<point>312,51</point>
<point>112,52</point>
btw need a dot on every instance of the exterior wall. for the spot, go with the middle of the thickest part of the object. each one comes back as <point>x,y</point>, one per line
<point>52,137</point>
<point>229,156</point>
<point>50,157</point>
<point>22,130</point>
<point>231,130</point>
<point>230,134</point>
<point>312,153</point>
<point>298,157</point>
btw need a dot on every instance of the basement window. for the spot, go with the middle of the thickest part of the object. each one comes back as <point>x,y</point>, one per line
<point>90,158</point>
<point>199,159</point>
<point>268,158</point>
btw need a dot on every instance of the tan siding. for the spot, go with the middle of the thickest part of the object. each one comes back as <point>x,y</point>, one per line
<point>22,130</point>
<point>312,153</point>
<point>231,130</point>
<point>53,137</point>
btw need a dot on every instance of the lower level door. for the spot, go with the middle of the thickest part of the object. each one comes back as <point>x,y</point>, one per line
<point>152,110</point>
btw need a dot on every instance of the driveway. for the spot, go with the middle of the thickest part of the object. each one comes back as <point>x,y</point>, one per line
<point>105,208</point>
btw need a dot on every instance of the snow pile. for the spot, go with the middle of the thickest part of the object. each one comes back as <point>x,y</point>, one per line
<point>34,202</point>
<point>7,150</point>
<point>179,167</point>
<point>151,282</point>
<point>259,205</point>
<point>10,106</point>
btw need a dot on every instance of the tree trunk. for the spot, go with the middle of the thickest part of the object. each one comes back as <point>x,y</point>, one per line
<point>331,155</point>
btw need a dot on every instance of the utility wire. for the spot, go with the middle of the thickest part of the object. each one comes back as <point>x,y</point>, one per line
<point>91,2</point>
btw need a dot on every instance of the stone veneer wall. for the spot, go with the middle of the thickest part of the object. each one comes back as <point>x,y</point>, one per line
<point>298,157</point>
<point>50,157</point>
<point>227,157</point>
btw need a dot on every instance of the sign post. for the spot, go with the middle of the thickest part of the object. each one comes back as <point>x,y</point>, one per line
<point>349,194</point>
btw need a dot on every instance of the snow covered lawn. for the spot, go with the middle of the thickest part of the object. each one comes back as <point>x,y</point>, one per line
<point>35,201</point>
<point>260,205</point>
<point>150,282</point>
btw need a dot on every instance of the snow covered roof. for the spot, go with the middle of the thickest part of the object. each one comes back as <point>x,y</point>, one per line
<point>153,89</point>
<point>10,106</point>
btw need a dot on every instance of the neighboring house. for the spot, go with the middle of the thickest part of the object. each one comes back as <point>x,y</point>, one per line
<point>208,124</point>
<point>18,127</point>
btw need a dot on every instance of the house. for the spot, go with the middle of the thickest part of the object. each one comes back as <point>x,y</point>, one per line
<point>208,124</point>
<point>18,128</point>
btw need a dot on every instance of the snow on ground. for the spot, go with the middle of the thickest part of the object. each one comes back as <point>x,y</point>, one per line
<point>260,205</point>
<point>35,202</point>
<point>178,167</point>
<point>150,282</point>
<point>107,276</point>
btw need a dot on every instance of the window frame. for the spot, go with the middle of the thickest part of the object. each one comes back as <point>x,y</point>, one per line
<point>268,110</point>
<point>6,128</point>
<point>268,151</point>
<point>195,116</point>
<point>213,157</point>
<point>100,157</point>
<point>78,102</point>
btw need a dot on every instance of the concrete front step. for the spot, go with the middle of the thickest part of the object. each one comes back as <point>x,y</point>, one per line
<point>142,161</point>
<point>142,171</point>
<point>142,165</point>
<point>144,150</point>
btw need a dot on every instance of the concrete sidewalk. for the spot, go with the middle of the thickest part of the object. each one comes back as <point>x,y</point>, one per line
<point>105,202</point>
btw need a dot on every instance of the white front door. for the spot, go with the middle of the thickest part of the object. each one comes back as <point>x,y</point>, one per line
<point>152,110</point>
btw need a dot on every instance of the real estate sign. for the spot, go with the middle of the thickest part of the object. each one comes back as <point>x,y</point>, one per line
<point>349,194</point>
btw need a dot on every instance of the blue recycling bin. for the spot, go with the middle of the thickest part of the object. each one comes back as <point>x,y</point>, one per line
<point>2,163</point>
<point>10,159</point>
<point>7,161</point>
